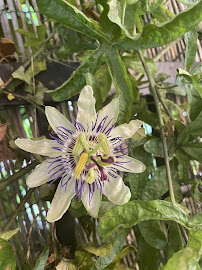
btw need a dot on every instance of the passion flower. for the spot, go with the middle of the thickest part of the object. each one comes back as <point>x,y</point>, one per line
<point>87,155</point>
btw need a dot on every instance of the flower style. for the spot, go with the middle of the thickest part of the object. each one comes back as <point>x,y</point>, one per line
<point>88,156</point>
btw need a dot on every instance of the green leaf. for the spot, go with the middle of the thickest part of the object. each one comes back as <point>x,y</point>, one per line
<point>110,28</point>
<point>156,186</point>
<point>77,81</point>
<point>20,74</point>
<point>134,63</point>
<point>154,36</point>
<point>26,33</point>
<point>83,258</point>
<point>152,5</point>
<point>33,70</point>
<point>69,15</point>
<point>148,256</point>
<point>137,183</point>
<point>194,100</point>
<point>187,258</point>
<point>7,235</point>
<point>117,244</point>
<point>41,31</point>
<point>194,150</point>
<point>160,14</point>
<point>155,147</point>
<point>189,2</point>
<point>42,259</point>
<point>122,85</point>
<point>133,212</point>
<point>174,89</point>
<point>99,250</point>
<point>191,48</point>
<point>33,43</point>
<point>174,239</point>
<point>101,84</point>
<point>7,256</point>
<point>183,166</point>
<point>152,234</point>
<point>194,128</point>
<point>65,265</point>
<point>126,16</point>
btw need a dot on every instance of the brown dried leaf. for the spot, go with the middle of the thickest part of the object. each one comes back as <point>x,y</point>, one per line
<point>5,153</point>
<point>2,131</point>
<point>7,47</point>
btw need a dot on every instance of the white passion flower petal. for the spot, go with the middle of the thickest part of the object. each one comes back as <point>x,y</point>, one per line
<point>42,147</point>
<point>61,200</point>
<point>56,119</point>
<point>116,191</point>
<point>128,164</point>
<point>41,176</point>
<point>126,130</point>
<point>86,107</point>
<point>111,110</point>
<point>92,205</point>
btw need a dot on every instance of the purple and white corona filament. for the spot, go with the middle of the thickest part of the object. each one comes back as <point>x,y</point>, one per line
<point>88,156</point>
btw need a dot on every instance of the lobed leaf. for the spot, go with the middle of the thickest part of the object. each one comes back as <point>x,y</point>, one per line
<point>154,36</point>
<point>69,15</point>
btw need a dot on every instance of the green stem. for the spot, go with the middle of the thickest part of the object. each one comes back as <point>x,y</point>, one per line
<point>17,175</point>
<point>181,240</point>
<point>161,123</point>
<point>163,104</point>
<point>19,208</point>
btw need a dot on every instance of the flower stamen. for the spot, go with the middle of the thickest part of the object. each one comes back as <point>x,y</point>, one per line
<point>102,138</point>
<point>91,176</point>
<point>80,144</point>
<point>81,164</point>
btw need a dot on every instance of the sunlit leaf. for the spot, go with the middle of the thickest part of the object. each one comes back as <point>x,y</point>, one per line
<point>20,74</point>
<point>99,250</point>
<point>7,235</point>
